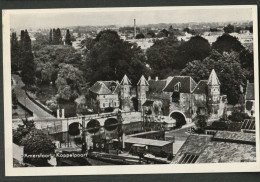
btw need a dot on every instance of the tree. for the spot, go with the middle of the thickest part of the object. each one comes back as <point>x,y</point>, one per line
<point>50,36</point>
<point>229,29</point>
<point>68,38</point>
<point>23,130</point>
<point>140,36</point>
<point>238,116</point>
<point>69,82</point>
<point>37,143</point>
<point>27,46</point>
<point>227,43</point>
<point>197,48</point>
<point>228,70</point>
<point>201,123</point>
<point>151,34</point>
<point>28,68</point>
<point>163,33</point>
<point>111,58</point>
<point>57,38</point>
<point>161,56</point>
<point>15,52</point>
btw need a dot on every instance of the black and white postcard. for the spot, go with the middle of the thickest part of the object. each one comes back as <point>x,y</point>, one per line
<point>131,90</point>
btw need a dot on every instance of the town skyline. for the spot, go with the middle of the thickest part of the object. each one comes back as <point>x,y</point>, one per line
<point>125,17</point>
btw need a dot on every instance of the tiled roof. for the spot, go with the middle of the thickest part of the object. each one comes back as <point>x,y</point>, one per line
<point>237,136</point>
<point>201,88</point>
<point>156,86</point>
<point>220,152</point>
<point>225,146</point>
<point>142,81</point>
<point>187,84</point>
<point>213,78</point>
<point>104,87</point>
<point>125,81</point>
<point>250,91</point>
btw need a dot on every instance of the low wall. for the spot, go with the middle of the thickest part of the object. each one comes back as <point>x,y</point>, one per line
<point>45,108</point>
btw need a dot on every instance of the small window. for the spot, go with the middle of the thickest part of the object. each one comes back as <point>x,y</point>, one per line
<point>115,104</point>
<point>104,96</point>
<point>188,159</point>
<point>104,105</point>
<point>176,87</point>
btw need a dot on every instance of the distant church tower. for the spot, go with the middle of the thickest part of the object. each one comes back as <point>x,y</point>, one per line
<point>213,94</point>
<point>142,88</point>
<point>125,93</point>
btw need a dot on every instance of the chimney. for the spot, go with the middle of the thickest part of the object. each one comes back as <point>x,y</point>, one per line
<point>134,29</point>
<point>156,78</point>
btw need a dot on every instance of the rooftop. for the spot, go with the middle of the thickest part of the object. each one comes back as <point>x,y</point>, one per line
<point>142,81</point>
<point>225,146</point>
<point>213,78</point>
<point>187,84</point>
<point>201,88</point>
<point>104,87</point>
<point>157,86</point>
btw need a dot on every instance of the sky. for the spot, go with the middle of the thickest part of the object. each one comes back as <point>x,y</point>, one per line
<point>124,16</point>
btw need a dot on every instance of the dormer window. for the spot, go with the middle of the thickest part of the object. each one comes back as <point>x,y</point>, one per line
<point>177,87</point>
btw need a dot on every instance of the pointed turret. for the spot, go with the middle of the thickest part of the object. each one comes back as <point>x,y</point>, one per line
<point>142,88</point>
<point>125,81</point>
<point>213,79</point>
<point>142,81</point>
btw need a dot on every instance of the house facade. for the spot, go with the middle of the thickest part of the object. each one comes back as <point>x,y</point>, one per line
<point>178,97</point>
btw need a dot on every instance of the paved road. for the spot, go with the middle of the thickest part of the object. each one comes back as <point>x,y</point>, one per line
<point>38,112</point>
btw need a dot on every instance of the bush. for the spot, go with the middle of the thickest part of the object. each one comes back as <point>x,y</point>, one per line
<point>238,116</point>
<point>217,125</point>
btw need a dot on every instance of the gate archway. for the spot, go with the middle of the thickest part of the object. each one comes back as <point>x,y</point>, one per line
<point>179,117</point>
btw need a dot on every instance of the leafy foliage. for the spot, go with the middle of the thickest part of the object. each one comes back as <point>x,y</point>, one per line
<point>110,58</point>
<point>35,142</point>
<point>227,43</point>
<point>68,38</point>
<point>69,82</point>
<point>228,70</point>
<point>197,48</point>
<point>238,116</point>
<point>162,56</point>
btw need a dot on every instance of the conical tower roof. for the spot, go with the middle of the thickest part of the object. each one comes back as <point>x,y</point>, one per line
<point>142,81</point>
<point>213,78</point>
<point>125,81</point>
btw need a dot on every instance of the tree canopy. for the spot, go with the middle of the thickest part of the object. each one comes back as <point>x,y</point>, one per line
<point>228,70</point>
<point>69,82</point>
<point>68,38</point>
<point>161,56</point>
<point>110,58</point>
<point>35,142</point>
<point>227,43</point>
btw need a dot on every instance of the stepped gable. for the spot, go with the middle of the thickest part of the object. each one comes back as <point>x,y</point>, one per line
<point>125,81</point>
<point>142,81</point>
<point>187,84</point>
<point>250,92</point>
<point>213,79</point>
<point>201,88</point>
